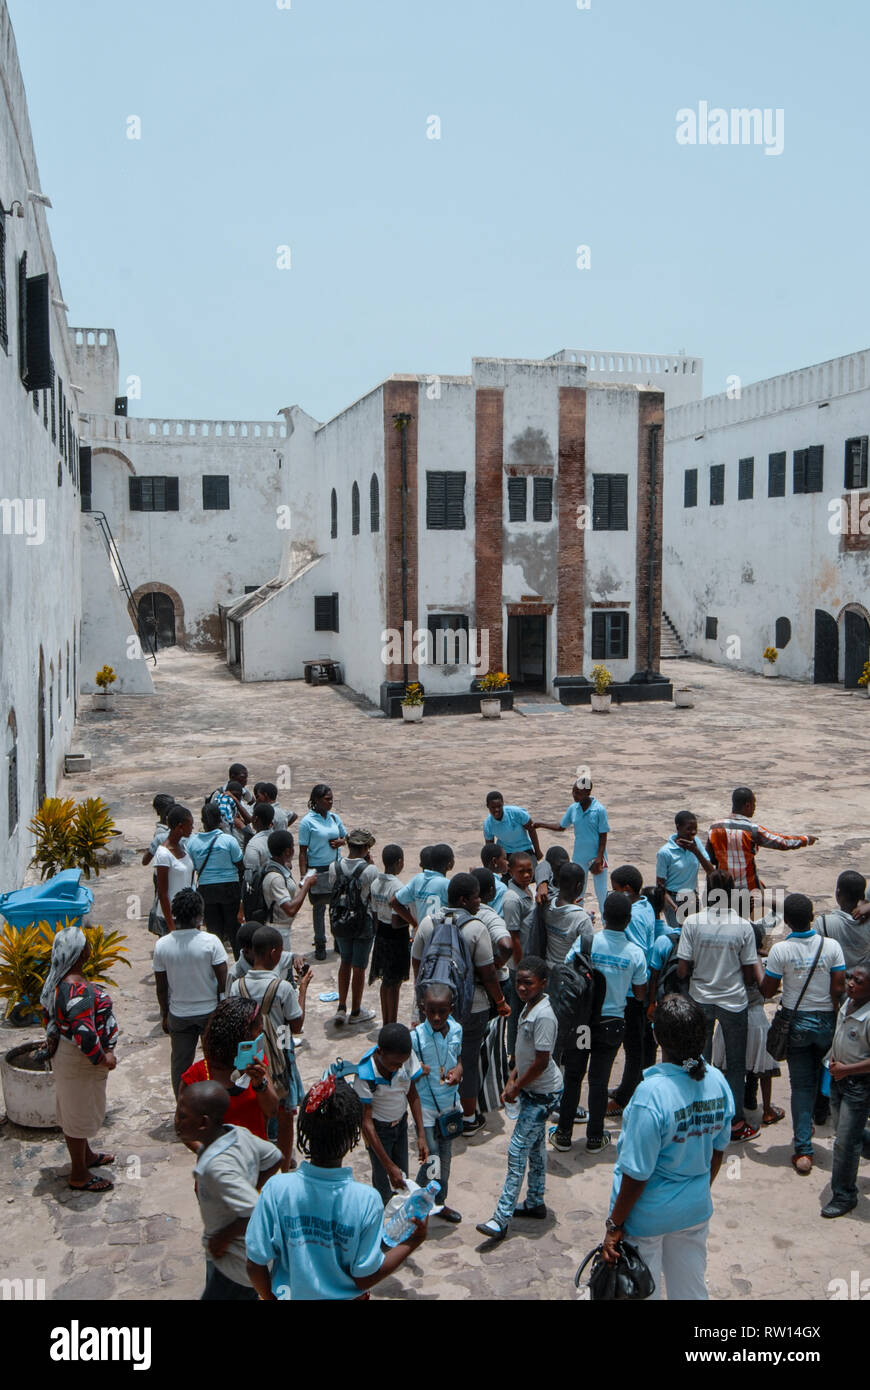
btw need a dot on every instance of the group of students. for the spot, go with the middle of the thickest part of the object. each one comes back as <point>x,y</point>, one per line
<point>665,972</point>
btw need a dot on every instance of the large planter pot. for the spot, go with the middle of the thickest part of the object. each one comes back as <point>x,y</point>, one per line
<point>28,1094</point>
<point>770,670</point>
<point>104,699</point>
<point>412,714</point>
<point>683,699</point>
<point>600,703</point>
<point>490,708</point>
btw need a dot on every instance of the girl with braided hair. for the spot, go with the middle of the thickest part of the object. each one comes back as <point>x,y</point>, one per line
<point>253,1100</point>
<point>316,1233</point>
<point>675,1130</point>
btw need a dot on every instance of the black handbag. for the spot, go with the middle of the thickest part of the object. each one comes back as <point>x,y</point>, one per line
<point>779,1032</point>
<point>627,1280</point>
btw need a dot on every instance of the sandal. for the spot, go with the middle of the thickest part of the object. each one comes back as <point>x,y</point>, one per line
<point>776,1114</point>
<point>102,1161</point>
<point>743,1132</point>
<point>95,1185</point>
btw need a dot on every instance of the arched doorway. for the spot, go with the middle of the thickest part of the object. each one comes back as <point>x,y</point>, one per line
<point>827,649</point>
<point>156,619</point>
<point>856,644</point>
<point>40,734</point>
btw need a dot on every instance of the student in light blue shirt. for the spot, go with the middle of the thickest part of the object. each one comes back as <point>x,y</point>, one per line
<point>321,835</point>
<point>623,966</point>
<point>639,1043</point>
<point>437,1041</point>
<point>510,826</point>
<point>674,1134</point>
<point>316,1233</point>
<point>494,858</point>
<point>427,890</point>
<point>218,862</point>
<point>591,826</point>
<point>677,865</point>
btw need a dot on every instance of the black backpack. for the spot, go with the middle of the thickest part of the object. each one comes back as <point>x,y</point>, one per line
<point>254,899</point>
<point>348,914</point>
<point>535,943</point>
<point>446,960</point>
<point>669,981</point>
<point>581,997</point>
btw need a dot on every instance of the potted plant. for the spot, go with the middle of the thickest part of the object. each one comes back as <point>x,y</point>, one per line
<point>104,679</point>
<point>70,836</point>
<point>491,684</point>
<point>412,703</point>
<point>602,680</point>
<point>28,1082</point>
<point>864,678</point>
<point>770,654</point>
<point>683,698</point>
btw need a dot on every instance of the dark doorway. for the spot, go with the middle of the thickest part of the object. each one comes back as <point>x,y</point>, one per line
<point>856,637</point>
<point>156,620</point>
<point>40,735</point>
<point>527,652</point>
<point>827,649</point>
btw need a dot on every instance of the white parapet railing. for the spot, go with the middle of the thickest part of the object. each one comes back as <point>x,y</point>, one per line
<point>121,429</point>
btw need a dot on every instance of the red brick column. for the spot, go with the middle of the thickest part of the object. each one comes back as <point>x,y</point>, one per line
<point>650,412</point>
<point>488,518</point>
<point>400,397</point>
<point>571,494</point>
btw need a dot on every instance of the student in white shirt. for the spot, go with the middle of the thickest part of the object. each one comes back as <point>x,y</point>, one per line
<point>391,953</point>
<point>190,972</point>
<point>257,848</point>
<point>173,866</point>
<point>812,972</point>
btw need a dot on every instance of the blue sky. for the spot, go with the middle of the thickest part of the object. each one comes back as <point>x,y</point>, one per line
<point>264,127</point>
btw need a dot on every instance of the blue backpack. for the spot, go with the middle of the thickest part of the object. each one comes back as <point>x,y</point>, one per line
<point>447,961</point>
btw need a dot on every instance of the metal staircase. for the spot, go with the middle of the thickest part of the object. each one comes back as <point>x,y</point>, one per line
<point>121,577</point>
<point>673,645</point>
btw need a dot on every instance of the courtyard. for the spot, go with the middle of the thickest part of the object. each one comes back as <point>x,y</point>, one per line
<point>802,748</point>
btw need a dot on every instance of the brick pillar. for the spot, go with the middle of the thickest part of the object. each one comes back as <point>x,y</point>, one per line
<point>488,514</point>
<point>571,494</point>
<point>400,397</point>
<point>648,536</point>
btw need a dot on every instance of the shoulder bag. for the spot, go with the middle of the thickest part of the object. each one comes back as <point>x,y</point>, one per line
<point>628,1279</point>
<point>780,1029</point>
<point>448,1122</point>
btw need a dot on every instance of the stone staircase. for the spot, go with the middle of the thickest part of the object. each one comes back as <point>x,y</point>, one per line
<point>672,643</point>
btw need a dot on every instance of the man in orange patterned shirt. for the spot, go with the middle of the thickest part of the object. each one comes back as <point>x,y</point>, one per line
<point>733,841</point>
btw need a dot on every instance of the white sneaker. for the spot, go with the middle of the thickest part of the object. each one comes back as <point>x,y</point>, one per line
<point>340,1018</point>
<point>364,1016</point>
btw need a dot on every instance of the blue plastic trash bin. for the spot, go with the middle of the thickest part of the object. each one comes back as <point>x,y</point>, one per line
<point>59,899</point>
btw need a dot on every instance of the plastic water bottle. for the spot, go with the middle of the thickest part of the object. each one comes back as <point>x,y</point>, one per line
<point>401,1224</point>
<point>512,1109</point>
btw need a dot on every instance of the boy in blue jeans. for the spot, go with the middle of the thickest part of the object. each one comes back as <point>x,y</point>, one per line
<point>849,1065</point>
<point>438,1043</point>
<point>535,1082</point>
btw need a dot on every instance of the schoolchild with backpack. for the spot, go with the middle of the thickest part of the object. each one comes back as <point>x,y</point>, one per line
<point>385,1082</point>
<point>282,1014</point>
<point>273,898</point>
<point>454,947</point>
<point>533,1084</point>
<point>623,965</point>
<point>350,922</point>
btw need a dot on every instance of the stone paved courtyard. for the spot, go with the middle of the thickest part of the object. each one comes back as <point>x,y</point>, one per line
<point>804,750</point>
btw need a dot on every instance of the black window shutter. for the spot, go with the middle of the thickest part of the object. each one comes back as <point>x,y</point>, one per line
<point>619,502</point>
<point>542,499</point>
<point>436,501</point>
<point>815,468</point>
<point>322,612</point>
<point>374,503</point>
<point>711,629</point>
<point>690,487</point>
<point>170,494</point>
<point>216,492</point>
<point>600,502</point>
<point>799,471</point>
<point>53,406</point>
<point>717,484</point>
<point>4,323</point>
<point>599,636</point>
<point>517,499</point>
<point>746,479</point>
<point>455,489</point>
<point>776,475</point>
<point>38,333</point>
<point>354,510</point>
<point>85,474</point>
<point>135,494</point>
<point>333,515</point>
<point>856,462</point>
<point>335,612</point>
<point>22,317</point>
<point>12,787</point>
<point>617,643</point>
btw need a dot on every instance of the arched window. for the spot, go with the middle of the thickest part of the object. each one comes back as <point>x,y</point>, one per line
<point>375,503</point>
<point>354,510</point>
<point>783,633</point>
<point>51,700</point>
<point>59,689</point>
<point>12,773</point>
<point>333,508</point>
<point>67,670</point>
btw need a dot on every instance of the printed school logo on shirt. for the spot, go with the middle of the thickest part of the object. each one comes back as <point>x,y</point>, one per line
<point>699,1118</point>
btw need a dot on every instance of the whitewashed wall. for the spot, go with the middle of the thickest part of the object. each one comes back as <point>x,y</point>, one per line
<point>108,635</point>
<point>206,557</point>
<point>750,562</point>
<point>40,607</point>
